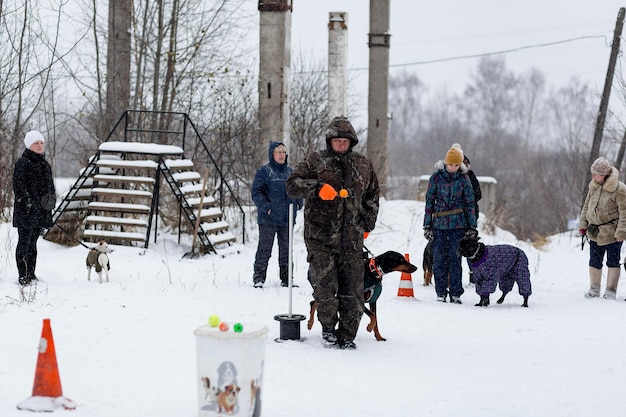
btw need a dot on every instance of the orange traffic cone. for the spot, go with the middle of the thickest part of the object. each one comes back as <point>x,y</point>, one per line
<point>406,283</point>
<point>47,391</point>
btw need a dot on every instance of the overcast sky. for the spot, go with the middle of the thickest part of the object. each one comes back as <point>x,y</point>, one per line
<point>575,35</point>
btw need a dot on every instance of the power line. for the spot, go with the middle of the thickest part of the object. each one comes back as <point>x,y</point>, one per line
<point>503,51</point>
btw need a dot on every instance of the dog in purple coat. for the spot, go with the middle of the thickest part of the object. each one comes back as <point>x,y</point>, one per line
<point>494,265</point>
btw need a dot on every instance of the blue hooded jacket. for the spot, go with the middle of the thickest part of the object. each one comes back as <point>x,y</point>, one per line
<point>449,202</point>
<point>269,193</point>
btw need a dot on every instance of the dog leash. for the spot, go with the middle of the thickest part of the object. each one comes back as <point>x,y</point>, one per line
<point>72,237</point>
<point>375,269</point>
<point>582,244</point>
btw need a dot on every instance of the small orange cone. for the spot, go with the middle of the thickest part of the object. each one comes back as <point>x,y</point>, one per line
<point>47,391</point>
<point>406,283</point>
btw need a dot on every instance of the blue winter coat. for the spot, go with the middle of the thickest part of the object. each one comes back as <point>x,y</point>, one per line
<point>449,200</point>
<point>269,193</point>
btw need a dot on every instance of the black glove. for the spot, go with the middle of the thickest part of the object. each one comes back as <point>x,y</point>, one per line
<point>429,234</point>
<point>470,233</point>
<point>28,203</point>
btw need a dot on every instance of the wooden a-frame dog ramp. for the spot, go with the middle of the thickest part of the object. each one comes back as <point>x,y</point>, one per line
<point>116,198</point>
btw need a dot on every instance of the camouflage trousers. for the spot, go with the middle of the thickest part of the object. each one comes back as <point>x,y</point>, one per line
<point>337,281</point>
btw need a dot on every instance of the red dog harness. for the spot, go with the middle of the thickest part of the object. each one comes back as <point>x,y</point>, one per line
<point>373,285</point>
<point>375,269</point>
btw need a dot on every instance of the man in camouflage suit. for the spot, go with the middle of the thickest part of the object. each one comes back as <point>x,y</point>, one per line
<point>341,192</point>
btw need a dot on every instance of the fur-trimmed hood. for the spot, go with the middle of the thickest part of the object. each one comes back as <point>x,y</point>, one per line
<point>611,183</point>
<point>439,165</point>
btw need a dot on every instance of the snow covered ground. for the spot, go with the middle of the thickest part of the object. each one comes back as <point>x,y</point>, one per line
<point>127,347</point>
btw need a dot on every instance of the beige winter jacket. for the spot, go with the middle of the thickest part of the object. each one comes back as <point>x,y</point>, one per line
<point>605,206</point>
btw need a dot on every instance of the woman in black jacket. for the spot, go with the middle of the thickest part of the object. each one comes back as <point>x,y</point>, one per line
<point>34,199</point>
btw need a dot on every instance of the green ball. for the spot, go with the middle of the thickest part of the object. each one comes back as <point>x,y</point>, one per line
<point>214,320</point>
<point>238,328</point>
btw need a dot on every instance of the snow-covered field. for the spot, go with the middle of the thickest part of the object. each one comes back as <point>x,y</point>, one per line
<point>127,347</point>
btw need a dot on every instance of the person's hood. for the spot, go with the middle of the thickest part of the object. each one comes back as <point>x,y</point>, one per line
<point>340,127</point>
<point>270,155</point>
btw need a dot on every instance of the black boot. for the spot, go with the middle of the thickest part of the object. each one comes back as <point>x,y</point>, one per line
<point>31,261</point>
<point>22,271</point>
<point>258,278</point>
<point>284,277</point>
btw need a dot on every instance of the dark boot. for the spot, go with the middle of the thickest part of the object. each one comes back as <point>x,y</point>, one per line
<point>284,277</point>
<point>32,263</point>
<point>22,271</point>
<point>258,278</point>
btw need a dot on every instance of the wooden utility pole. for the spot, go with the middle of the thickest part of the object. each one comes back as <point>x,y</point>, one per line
<point>604,102</point>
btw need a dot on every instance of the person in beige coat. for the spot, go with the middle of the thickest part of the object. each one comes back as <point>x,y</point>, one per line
<point>603,220</point>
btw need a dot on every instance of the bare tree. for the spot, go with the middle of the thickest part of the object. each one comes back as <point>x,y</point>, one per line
<point>30,55</point>
<point>309,106</point>
<point>406,131</point>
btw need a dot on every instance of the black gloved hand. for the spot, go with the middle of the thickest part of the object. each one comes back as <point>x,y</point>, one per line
<point>470,233</point>
<point>429,234</point>
<point>29,204</point>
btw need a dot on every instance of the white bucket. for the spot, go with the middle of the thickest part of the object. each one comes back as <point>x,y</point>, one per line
<point>230,370</point>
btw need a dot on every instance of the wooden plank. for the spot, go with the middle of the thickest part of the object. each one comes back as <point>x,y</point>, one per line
<point>195,201</point>
<point>122,221</point>
<point>140,148</point>
<point>186,176</point>
<point>81,194</point>
<point>85,184</point>
<point>130,179</point>
<point>142,164</point>
<point>191,188</point>
<point>209,213</point>
<point>214,227</point>
<point>103,234</point>
<point>179,164</point>
<point>119,207</point>
<point>222,238</point>
<point>77,205</point>
<point>121,192</point>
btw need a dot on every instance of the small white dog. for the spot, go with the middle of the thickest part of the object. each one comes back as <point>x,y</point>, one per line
<point>97,258</point>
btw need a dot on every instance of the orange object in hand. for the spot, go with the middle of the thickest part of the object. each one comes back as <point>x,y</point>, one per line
<point>327,192</point>
<point>343,193</point>
<point>365,235</point>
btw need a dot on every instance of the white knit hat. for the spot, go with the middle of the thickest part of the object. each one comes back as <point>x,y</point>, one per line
<point>32,137</point>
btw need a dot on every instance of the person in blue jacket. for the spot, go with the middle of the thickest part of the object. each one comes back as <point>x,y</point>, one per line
<point>449,216</point>
<point>270,197</point>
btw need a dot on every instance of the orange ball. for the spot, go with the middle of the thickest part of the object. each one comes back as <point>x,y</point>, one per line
<point>343,193</point>
<point>223,326</point>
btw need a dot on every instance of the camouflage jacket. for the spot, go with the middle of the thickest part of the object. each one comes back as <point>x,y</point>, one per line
<point>336,225</point>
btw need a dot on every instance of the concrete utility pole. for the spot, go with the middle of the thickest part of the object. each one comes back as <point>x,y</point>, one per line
<point>274,72</point>
<point>378,99</point>
<point>337,64</point>
<point>604,102</point>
